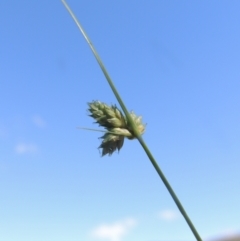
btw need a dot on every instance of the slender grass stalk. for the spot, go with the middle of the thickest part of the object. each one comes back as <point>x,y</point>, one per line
<point>135,130</point>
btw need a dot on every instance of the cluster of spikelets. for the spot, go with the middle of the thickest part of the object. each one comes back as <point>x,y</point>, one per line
<point>116,125</point>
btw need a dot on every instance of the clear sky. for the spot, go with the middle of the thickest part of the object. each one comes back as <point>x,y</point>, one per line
<point>176,63</point>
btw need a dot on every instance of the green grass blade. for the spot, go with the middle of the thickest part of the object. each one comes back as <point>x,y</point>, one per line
<point>170,190</point>
<point>150,156</point>
<point>104,131</point>
<point>103,69</point>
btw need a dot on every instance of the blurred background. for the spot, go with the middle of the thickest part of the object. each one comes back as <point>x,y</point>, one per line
<point>233,238</point>
<point>176,63</point>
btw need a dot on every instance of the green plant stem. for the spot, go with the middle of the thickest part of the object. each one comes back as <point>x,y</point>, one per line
<point>136,133</point>
<point>169,188</point>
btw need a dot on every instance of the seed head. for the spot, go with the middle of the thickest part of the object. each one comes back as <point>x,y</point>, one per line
<point>106,116</point>
<point>116,125</point>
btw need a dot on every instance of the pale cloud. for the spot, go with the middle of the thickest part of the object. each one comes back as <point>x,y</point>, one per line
<point>23,148</point>
<point>169,215</point>
<point>114,231</point>
<point>39,121</point>
<point>3,132</point>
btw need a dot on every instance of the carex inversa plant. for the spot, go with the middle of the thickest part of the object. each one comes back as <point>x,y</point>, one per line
<point>131,124</point>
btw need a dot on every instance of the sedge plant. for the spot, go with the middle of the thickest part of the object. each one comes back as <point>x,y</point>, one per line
<point>118,126</point>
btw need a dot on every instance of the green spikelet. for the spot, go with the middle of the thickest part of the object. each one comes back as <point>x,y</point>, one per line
<point>106,116</point>
<point>138,122</point>
<point>113,120</point>
<point>111,143</point>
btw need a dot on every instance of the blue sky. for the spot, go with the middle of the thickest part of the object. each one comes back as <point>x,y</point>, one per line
<point>176,63</point>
